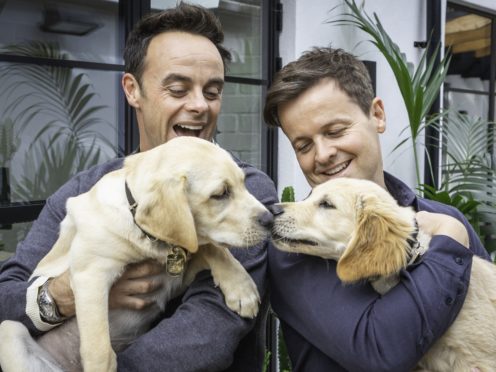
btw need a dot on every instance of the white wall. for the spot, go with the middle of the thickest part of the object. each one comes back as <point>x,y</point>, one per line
<point>304,26</point>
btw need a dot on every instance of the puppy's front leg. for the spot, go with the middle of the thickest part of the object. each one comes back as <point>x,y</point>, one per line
<point>240,291</point>
<point>91,287</point>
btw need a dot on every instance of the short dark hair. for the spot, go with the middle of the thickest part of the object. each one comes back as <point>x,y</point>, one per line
<point>185,17</point>
<point>349,73</point>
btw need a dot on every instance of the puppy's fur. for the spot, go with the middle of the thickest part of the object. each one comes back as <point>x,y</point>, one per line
<point>360,225</point>
<point>189,193</point>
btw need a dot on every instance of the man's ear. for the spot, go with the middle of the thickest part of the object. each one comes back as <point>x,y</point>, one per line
<point>132,89</point>
<point>378,245</point>
<point>378,114</point>
<point>163,211</point>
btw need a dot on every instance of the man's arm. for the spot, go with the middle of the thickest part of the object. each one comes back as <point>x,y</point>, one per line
<point>357,328</point>
<point>203,333</point>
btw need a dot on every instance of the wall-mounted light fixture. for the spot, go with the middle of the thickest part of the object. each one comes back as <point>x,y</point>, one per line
<point>55,22</point>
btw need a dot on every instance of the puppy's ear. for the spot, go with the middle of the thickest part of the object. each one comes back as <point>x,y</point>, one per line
<point>378,245</point>
<point>164,213</point>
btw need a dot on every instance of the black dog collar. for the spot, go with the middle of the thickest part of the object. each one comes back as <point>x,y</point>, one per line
<point>177,257</point>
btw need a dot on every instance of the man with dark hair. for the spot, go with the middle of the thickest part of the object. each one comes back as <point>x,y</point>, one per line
<point>325,105</point>
<point>174,77</point>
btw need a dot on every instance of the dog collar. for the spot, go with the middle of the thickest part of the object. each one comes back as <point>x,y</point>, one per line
<point>132,207</point>
<point>416,250</point>
<point>177,257</point>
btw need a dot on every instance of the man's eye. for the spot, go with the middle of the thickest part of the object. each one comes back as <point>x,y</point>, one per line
<point>326,205</point>
<point>334,132</point>
<point>177,91</point>
<point>303,148</point>
<point>212,94</point>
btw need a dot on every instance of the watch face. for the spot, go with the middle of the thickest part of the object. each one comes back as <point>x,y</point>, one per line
<point>48,309</point>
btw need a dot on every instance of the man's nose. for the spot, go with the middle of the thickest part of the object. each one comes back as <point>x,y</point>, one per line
<point>197,102</point>
<point>324,151</point>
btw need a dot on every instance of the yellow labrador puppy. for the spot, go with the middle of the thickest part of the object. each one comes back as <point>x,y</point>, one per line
<point>182,203</point>
<point>360,225</point>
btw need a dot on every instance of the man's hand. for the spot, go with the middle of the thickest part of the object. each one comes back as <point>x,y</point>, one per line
<point>442,224</point>
<point>137,280</point>
<point>127,292</point>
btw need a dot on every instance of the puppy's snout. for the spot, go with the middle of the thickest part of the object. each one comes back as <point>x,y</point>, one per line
<point>276,209</point>
<point>266,219</point>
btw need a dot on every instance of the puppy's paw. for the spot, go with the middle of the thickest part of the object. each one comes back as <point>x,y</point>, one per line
<point>242,296</point>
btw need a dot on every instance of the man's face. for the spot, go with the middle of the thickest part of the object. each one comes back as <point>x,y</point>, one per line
<point>181,89</point>
<point>331,135</point>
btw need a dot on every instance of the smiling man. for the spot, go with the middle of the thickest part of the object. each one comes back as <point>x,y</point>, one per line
<point>174,77</point>
<point>325,105</point>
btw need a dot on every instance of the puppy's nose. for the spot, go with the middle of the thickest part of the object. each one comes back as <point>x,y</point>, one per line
<point>266,219</point>
<point>276,209</point>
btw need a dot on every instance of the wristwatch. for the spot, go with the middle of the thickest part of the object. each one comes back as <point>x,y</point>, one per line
<point>49,312</point>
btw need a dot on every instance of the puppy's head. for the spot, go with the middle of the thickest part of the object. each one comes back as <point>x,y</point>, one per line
<point>190,192</point>
<point>355,222</point>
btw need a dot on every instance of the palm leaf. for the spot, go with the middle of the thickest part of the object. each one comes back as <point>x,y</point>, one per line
<point>419,88</point>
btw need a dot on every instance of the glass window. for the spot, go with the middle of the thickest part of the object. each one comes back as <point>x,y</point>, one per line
<point>468,133</point>
<point>468,35</point>
<point>84,30</point>
<point>60,106</point>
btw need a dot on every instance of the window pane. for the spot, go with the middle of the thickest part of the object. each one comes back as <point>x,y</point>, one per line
<point>469,103</point>
<point>469,37</point>
<point>10,236</point>
<point>85,30</point>
<point>239,124</point>
<point>242,23</point>
<point>54,122</point>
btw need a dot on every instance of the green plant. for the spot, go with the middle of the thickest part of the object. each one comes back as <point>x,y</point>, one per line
<point>288,195</point>
<point>467,181</point>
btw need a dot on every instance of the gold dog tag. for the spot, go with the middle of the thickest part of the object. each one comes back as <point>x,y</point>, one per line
<point>176,261</point>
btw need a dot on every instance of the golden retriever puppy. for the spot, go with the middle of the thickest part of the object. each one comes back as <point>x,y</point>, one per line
<point>184,204</point>
<point>360,225</point>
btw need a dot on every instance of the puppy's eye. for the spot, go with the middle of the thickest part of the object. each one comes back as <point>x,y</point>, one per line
<point>326,205</point>
<point>224,195</point>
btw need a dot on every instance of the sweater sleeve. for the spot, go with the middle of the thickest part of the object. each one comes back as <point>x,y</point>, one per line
<point>354,328</point>
<point>203,333</point>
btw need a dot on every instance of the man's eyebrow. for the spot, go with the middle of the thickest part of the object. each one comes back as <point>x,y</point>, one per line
<point>172,78</point>
<point>175,78</point>
<point>216,81</point>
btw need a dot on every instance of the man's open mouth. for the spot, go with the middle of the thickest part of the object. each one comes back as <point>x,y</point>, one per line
<point>188,130</point>
<point>341,167</point>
